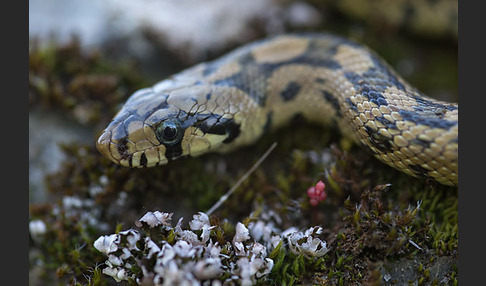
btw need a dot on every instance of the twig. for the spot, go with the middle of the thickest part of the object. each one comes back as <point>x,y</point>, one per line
<point>241,180</point>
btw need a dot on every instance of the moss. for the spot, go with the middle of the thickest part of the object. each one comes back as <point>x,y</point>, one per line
<point>85,84</point>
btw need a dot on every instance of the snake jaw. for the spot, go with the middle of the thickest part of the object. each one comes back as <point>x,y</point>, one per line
<point>104,144</point>
<point>112,144</point>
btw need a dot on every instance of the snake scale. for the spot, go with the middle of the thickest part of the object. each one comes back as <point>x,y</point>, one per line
<point>234,100</point>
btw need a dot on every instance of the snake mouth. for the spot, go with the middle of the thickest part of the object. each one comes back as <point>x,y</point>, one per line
<point>106,147</point>
<point>118,151</point>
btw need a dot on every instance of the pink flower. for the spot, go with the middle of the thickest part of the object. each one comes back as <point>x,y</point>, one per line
<point>317,194</point>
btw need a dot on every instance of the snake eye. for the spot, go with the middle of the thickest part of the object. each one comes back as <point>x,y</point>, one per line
<point>169,132</point>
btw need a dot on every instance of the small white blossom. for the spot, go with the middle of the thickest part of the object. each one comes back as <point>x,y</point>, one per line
<point>304,243</point>
<point>206,233</point>
<point>114,260</point>
<point>242,233</point>
<point>213,250</point>
<point>95,189</point>
<point>164,256</point>
<point>118,274</point>
<point>188,236</point>
<point>245,271</point>
<point>199,221</point>
<point>275,240</point>
<point>69,202</point>
<point>250,269</point>
<point>208,268</point>
<point>261,231</point>
<point>239,248</point>
<point>258,249</point>
<point>173,275</point>
<point>266,268</point>
<point>121,199</point>
<point>289,231</point>
<point>107,243</point>
<point>156,218</point>
<point>103,180</point>
<point>313,230</point>
<point>125,254</point>
<point>152,248</point>
<point>37,229</point>
<point>183,249</point>
<point>132,236</point>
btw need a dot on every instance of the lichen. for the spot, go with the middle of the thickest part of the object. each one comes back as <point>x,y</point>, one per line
<point>162,254</point>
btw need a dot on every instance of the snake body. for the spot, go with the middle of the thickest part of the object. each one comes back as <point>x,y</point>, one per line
<point>232,101</point>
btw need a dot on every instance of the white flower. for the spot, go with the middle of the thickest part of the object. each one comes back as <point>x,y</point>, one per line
<point>156,218</point>
<point>37,229</point>
<point>266,269</point>
<point>69,202</point>
<point>118,274</point>
<point>199,221</point>
<point>245,271</point>
<point>206,232</point>
<point>250,269</point>
<point>164,256</point>
<point>103,180</point>
<point>132,236</point>
<point>260,230</point>
<point>107,243</point>
<point>258,249</point>
<point>125,254</point>
<point>275,240</point>
<point>313,230</point>
<point>207,268</point>
<point>183,249</point>
<point>95,190</point>
<point>242,233</point>
<point>186,235</point>
<point>300,243</point>
<point>152,247</point>
<point>289,231</point>
<point>114,260</point>
<point>213,250</point>
<point>171,274</point>
<point>239,248</point>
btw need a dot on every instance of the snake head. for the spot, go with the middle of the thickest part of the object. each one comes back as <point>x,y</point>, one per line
<point>160,124</point>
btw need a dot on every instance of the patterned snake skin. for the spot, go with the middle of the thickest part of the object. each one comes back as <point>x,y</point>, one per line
<point>232,101</point>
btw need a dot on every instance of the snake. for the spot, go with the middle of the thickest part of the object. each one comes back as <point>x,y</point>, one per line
<point>221,105</point>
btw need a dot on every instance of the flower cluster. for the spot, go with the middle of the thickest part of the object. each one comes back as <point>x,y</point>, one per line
<point>305,242</point>
<point>197,256</point>
<point>317,193</point>
<point>192,259</point>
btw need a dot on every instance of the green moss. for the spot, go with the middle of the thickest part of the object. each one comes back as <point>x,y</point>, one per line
<point>84,84</point>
